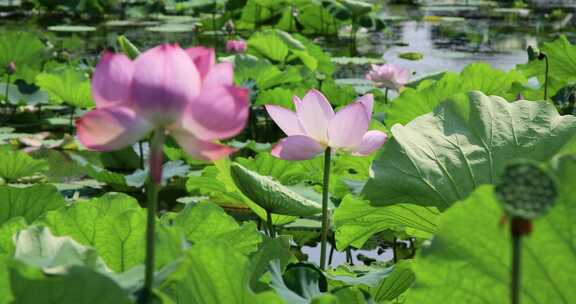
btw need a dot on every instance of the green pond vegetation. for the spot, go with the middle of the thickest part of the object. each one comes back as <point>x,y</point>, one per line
<point>470,200</point>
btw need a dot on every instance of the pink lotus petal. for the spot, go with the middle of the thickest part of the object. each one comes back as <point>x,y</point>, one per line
<point>111,128</point>
<point>368,102</point>
<point>348,126</point>
<point>314,113</point>
<point>371,141</point>
<point>285,119</point>
<point>165,80</point>
<point>204,59</point>
<point>219,112</point>
<point>220,74</point>
<point>112,79</point>
<point>297,147</point>
<point>199,149</point>
<point>236,46</point>
<point>388,76</point>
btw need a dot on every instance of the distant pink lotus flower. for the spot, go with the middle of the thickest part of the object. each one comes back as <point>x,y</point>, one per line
<point>388,76</point>
<point>236,46</point>
<point>315,126</point>
<point>182,92</point>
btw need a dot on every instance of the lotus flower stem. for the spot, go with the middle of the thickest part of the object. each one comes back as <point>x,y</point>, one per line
<point>325,220</point>
<point>386,96</point>
<point>270,224</point>
<point>332,247</point>
<point>7,86</point>
<point>154,184</point>
<point>141,154</point>
<point>71,120</point>
<point>349,256</point>
<point>394,251</point>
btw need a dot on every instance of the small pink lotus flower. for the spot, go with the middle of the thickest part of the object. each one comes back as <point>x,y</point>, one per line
<point>388,76</point>
<point>315,126</point>
<point>236,46</point>
<point>183,92</point>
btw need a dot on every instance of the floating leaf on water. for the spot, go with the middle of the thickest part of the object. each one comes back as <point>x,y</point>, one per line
<point>414,56</point>
<point>357,60</point>
<point>129,23</point>
<point>72,28</point>
<point>172,28</point>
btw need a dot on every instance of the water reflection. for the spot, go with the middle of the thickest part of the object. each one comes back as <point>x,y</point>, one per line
<point>442,53</point>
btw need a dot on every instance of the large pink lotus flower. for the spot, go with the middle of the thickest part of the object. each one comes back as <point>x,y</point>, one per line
<point>183,92</point>
<point>236,46</point>
<point>315,126</point>
<point>388,76</point>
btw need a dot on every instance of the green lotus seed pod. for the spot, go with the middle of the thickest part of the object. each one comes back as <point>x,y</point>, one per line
<point>526,190</point>
<point>272,195</point>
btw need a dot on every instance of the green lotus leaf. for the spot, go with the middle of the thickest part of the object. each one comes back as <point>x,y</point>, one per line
<point>25,50</point>
<point>356,220</point>
<point>7,230</point>
<point>216,182</point>
<point>22,93</point>
<point>37,246</point>
<point>272,195</point>
<point>299,284</point>
<point>68,86</point>
<point>66,28</point>
<point>128,47</point>
<point>560,53</point>
<point>269,45</point>
<point>441,157</point>
<point>400,280</point>
<point>470,257</point>
<point>113,224</point>
<point>78,285</point>
<point>207,221</point>
<point>478,76</point>
<point>357,7</point>
<point>211,273</point>
<point>15,165</point>
<point>29,202</point>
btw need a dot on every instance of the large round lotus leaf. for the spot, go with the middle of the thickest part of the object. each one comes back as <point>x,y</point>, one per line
<point>271,195</point>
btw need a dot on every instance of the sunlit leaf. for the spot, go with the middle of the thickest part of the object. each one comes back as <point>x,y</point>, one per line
<point>443,156</point>
<point>69,86</point>
<point>355,221</point>
<point>28,202</point>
